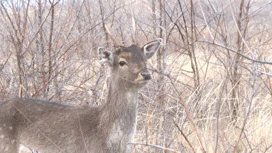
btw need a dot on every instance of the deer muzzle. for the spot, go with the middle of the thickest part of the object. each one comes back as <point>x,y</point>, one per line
<point>146,76</point>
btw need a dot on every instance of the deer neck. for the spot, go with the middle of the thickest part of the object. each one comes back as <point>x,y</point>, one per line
<point>121,106</point>
<point>121,100</point>
<point>119,116</point>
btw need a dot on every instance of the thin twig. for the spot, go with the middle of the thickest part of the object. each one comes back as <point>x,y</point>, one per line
<point>154,146</point>
<point>235,51</point>
<point>185,137</point>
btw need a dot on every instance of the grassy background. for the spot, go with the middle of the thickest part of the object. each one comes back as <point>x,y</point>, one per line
<point>216,58</point>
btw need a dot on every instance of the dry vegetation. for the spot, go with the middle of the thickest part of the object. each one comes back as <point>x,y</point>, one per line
<point>211,88</point>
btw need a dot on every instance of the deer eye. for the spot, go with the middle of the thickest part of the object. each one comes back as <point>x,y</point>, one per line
<point>122,63</point>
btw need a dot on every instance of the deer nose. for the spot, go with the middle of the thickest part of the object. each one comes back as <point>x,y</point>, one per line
<point>146,76</point>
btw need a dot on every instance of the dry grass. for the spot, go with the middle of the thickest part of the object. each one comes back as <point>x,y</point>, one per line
<point>191,118</point>
<point>210,109</point>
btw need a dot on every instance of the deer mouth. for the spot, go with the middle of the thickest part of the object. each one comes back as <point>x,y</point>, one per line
<point>142,79</point>
<point>142,82</point>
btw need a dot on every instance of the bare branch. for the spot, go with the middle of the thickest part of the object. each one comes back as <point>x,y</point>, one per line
<point>235,51</point>
<point>154,146</point>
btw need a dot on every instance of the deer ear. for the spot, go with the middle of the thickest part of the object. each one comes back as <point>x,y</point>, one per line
<point>150,48</point>
<point>105,56</point>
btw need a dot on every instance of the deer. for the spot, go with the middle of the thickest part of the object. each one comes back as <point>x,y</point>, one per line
<point>31,125</point>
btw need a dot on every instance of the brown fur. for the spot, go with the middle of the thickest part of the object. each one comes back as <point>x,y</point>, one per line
<point>47,127</point>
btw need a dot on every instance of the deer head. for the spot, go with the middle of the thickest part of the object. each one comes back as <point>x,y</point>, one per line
<point>128,64</point>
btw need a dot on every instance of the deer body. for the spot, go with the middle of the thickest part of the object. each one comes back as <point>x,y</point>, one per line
<point>46,127</point>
